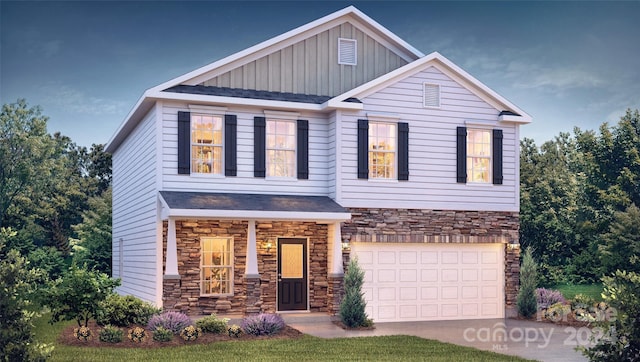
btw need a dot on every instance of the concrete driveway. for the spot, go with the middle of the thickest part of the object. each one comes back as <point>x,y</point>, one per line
<point>532,340</point>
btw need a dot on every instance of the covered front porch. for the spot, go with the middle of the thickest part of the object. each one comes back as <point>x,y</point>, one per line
<point>245,254</point>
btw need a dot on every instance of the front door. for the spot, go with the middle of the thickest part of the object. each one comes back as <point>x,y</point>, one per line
<point>292,274</point>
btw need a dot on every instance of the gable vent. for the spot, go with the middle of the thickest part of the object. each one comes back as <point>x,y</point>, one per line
<point>431,95</point>
<point>347,51</point>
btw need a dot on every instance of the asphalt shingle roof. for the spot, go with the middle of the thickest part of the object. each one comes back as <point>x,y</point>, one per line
<point>249,202</point>
<point>252,94</point>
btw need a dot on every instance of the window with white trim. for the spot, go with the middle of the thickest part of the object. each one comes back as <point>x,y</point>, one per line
<point>216,266</point>
<point>206,144</point>
<point>431,95</point>
<point>382,150</point>
<point>281,148</point>
<point>347,51</point>
<point>478,155</point>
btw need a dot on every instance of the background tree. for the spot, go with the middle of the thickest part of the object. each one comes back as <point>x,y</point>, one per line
<point>621,248</point>
<point>19,285</point>
<point>93,245</point>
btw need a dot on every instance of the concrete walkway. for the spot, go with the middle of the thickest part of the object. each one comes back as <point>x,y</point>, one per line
<point>531,340</point>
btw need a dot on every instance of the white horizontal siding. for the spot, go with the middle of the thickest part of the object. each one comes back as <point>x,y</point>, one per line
<point>319,166</point>
<point>432,150</point>
<point>135,211</point>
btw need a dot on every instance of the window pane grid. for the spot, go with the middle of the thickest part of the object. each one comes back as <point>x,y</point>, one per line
<point>382,150</point>
<point>281,148</point>
<point>216,266</point>
<point>206,144</point>
<point>478,155</point>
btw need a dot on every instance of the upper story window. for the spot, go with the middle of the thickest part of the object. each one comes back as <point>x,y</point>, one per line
<point>281,148</point>
<point>478,155</point>
<point>216,266</point>
<point>382,150</point>
<point>206,144</point>
<point>347,51</point>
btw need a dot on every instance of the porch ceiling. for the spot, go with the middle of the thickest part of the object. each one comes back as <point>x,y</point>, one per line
<point>178,204</point>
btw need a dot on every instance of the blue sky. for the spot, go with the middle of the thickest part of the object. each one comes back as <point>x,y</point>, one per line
<point>86,63</point>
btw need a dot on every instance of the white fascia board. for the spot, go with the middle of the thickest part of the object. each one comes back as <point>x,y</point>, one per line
<point>207,99</point>
<point>258,215</point>
<point>337,104</point>
<point>446,66</point>
<point>136,113</point>
<point>350,10</point>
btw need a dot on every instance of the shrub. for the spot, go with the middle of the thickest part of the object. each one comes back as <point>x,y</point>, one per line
<point>173,321</point>
<point>621,337</point>
<point>162,334</point>
<point>352,307</point>
<point>111,334</point>
<point>137,335</point>
<point>78,295</point>
<point>582,301</point>
<point>557,312</point>
<point>526,300</point>
<point>235,331</point>
<point>263,324</point>
<point>190,333</point>
<point>213,324</point>
<point>82,333</point>
<point>123,311</point>
<point>548,297</point>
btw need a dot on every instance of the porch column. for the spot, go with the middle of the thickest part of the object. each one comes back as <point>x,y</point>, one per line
<point>335,240</point>
<point>171,262</point>
<point>251,269</point>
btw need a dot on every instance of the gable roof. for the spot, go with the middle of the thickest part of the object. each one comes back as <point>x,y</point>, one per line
<point>509,112</point>
<point>350,13</point>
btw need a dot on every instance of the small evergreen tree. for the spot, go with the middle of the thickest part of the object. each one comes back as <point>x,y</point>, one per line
<point>352,307</point>
<point>526,301</point>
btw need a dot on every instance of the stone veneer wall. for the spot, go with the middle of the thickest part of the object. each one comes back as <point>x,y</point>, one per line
<point>442,226</point>
<point>184,294</point>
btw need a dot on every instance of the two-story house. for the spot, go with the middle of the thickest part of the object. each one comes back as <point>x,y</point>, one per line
<point>238,187</point>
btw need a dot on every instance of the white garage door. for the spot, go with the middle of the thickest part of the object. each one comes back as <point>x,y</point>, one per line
<point>420,282</point>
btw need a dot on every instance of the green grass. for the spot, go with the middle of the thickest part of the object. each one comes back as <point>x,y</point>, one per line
<point>307,348</point>
<point>570,290</point>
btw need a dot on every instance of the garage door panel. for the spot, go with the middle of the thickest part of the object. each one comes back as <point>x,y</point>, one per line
<point>386,257</point>
<point>386,294</point>
<point>449,257</point>
<point>408,275</point>
<point>429,257</point>
<point>429,275</point>
<point>405,281</point>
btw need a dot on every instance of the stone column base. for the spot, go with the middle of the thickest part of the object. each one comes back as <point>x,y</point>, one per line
<point>171,293</point>
<point>335,292</point>
<point>512,278</point>
<point>253,302</point>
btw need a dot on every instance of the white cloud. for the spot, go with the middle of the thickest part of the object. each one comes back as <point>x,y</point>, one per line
<point>75,101</point>
<point>562,78</point>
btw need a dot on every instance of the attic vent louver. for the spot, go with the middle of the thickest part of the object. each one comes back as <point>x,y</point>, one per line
<point>347,51</point>
<point>431,95</point>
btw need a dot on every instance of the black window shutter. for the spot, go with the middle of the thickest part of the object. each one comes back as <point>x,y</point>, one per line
<point>403,151</point>
<point>303,149</point>
<point>259,144</point>
<point>497,157</point>
<point>461,154</point>
<point>363,149</point>
<point>184,143</point>
<point>230,145</point>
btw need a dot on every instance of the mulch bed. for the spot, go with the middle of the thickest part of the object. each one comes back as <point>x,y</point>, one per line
<point>346,328</point>
<point>67,338</point>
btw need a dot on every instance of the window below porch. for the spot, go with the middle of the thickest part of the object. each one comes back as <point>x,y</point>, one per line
<point>216,266</point>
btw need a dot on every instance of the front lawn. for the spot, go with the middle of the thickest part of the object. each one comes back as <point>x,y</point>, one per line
<point>571,290</point>
<point>396,348</point>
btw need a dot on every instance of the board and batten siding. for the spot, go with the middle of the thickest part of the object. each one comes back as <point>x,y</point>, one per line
<point>245,182</point>
<point>311,65</point>
<point>135,211</point>
<point>432,150</point>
